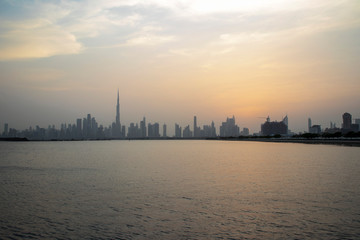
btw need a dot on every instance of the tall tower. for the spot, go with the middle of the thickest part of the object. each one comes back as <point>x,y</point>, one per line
<point>118,111</point>
<point>309,124</point>
<point>195,127</point>
<point>116,127</point>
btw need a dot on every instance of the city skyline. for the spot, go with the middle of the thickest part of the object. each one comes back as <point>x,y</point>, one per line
<point>173,60</point>
<point>88,128</point>
<point>117,129</point>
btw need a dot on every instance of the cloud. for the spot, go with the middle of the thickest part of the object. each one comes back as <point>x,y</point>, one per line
<point>36,39</point>
<point>50,29</point>
<point>148,40</point>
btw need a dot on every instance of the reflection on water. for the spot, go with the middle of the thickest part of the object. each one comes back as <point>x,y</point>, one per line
<point>178,190</point>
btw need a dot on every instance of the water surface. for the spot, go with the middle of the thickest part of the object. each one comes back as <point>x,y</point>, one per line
<point>178,190</point>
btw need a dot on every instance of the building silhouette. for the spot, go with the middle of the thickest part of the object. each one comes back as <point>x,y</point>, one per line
<point>197,130</point>
<point>153,130</point>
<point>346,121</point>
<point>187,132</point>
<point>314,129</point>
<point>164,130</point>
<point>6,130</point>
<point>143,128</point>
<point>347,125</point>
<point>229,128</point>
<point>177,131</point>
<point>116,126</point>
<point>274,128</point>
<point>245,132</point>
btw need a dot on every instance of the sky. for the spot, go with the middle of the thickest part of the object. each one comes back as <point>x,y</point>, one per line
<point>171,60</point>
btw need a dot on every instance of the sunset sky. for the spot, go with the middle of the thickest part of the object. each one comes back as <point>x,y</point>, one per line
<point>171,60</point>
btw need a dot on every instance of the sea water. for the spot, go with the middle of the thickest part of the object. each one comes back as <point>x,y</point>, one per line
<point>178,189</point>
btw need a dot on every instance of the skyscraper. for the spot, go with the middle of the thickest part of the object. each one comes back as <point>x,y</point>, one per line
<point>195,127</point>
<point>177,131</point>
<point>143,127</point>
<point>78,128</point>
<point>346,121</point>
<point>88,125</point>
<point>164,130</point>
<point>6,129</point>
<point>229,128</point>
<point>117,125</point>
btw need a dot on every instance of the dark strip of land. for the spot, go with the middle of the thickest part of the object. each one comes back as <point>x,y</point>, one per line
<point>354,142</point>
<point>14,139</point>
<point>341,142</point>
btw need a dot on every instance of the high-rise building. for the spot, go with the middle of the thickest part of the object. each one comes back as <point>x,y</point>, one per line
<point>94,127</point>
<point>88,125</point>
<point>213,129</point>
<point>195,127</point>
<point>177,131</point>
<point>187,132</point>
<point>273,128</point>
<point>84,125</point>
<point>357,121</point>
<point>156,130</point>
<point>143,127</point>
<point>78,128</point>
<point>229,128</point>
<point>6,129</point>
<point>309,124</point>
<point>134,131</point>
<point>153,130</point>
<point>315,129</point>
<point>164,130</point>
<point>245,132</point>
<point>123,131</point>
<point>116,128</point>
<point>346,121</point>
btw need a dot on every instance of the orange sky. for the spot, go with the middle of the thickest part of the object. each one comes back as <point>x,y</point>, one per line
<point>171,61</point>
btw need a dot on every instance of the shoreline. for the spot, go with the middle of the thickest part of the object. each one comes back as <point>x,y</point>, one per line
<point>339,142</point>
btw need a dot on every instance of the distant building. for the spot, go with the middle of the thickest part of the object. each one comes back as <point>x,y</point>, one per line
<point>143,127</point>
<point>164,130</point>
<point>357,121</point>
<point>6,130</point>
<point>78,128</point>
<point>195,126</point>
<point>187,132</point>
<point>273,128</point>
<point>245,132</point>
<point>116,127</point>
<point>229,128</point>
<point>347,125</point>
<point>177,131</point>
<point>208,131</point>
<point>346,121</point>
<point>134,131</point>
<point>315,129</point>
<point>88,126</point>
<point>153,130</point>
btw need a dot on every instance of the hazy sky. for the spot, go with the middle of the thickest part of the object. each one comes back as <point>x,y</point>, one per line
<point>171,60</point>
